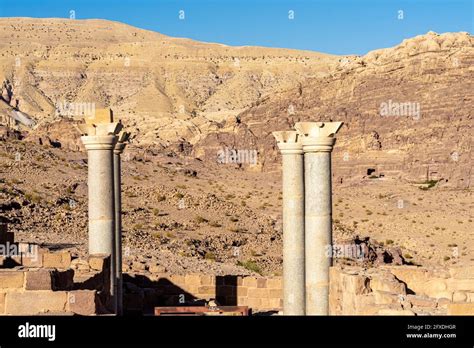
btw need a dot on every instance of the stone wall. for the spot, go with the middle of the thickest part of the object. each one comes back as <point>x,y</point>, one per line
<point>258,293</point>
<point>34,280</point>
<point>46,290</point>
<point>402,290</point>
<point>386,290</point>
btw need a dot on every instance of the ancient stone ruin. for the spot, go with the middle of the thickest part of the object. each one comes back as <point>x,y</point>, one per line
<point>307,226</point>
<point>46,280</point>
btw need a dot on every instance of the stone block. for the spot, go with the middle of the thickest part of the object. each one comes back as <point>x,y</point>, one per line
<point>463,296</point>
<point>207,279</point>
<point>365,305</point>
<point>193,279</point>
<point>369,310</point>
<point>192,289</point>
<point>274,283</point>
<point>206,289</point>
<point>257,293</point>
<point>35,302</point>
<point>41,279</point>
<point>60,260</point>
<point>460,284</point>
<point>99,262</point>
<point>470,296</point>
<point>261,283</point>
<point>414,277</point>
<point>265,303</point>
<point>461,308</point>
<point>435,287</point>
<point>384,297</point>
<point>179,280</point>
<point>11,279</point>
<point>250,282</point>
<point>83,302</point>
<point>460,296</point>
<point>242,291</point>
<point>254,302</point>
<point>101,116</point>
<point>335,306</point>
<point>420,301</point>
<point>275,303</point>
<point>2,303</point>
<point>356,284</point>
<point>444,294</point>
<point>387,284</point>
<point>464,272</point>
<point>335,271</point>
<point>47,279</point>
<point>275,293</point>
<point>443,303</point>
<point>242,301</point>
<point>80,265</point>
<point>350,303</point>
<point>33,260</point>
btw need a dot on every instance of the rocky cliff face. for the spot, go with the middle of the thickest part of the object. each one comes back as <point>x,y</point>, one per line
<point>166,88</point>
<point>407,110</point>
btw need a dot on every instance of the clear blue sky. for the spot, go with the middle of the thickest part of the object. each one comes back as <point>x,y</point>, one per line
<point>331,26</point>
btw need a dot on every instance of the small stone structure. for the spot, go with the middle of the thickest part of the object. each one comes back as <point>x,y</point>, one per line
<point>34,280</point>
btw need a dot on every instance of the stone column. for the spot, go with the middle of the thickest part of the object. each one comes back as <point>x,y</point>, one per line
<point>119,147</point>
<point>318,140</point>
<point>99,139</point>
<point>293,222</point>
<point>101,193</point>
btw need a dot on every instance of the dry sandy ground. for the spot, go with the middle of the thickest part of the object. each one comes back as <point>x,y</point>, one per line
<point>183,215</point>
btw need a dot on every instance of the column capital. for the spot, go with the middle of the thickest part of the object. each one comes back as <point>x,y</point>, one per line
<point>99,142</point>
<point>120,145</point>
<point>99,129</point>
<point>318,136</point>
<point>288,142</point>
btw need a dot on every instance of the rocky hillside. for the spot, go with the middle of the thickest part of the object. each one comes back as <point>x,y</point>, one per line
<point>166,88</point>
<point>407,137</point>
<point>407,112</point>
